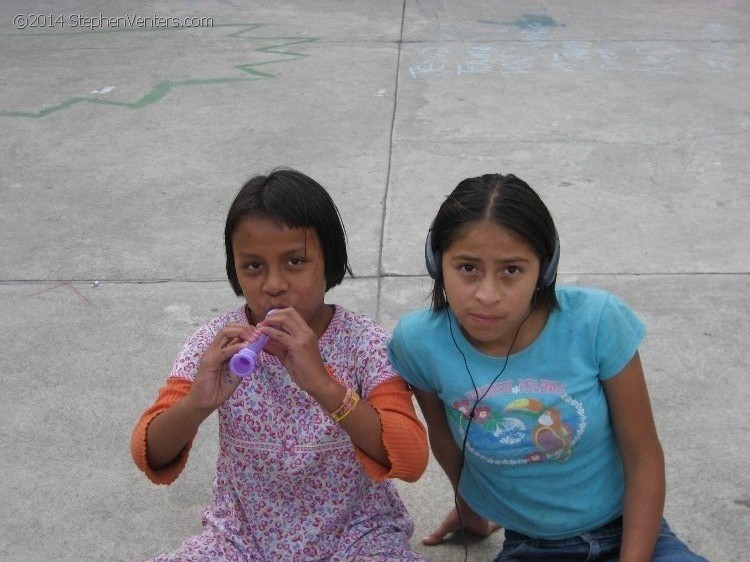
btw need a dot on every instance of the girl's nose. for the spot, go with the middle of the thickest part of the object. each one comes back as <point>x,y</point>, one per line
<point>488,291</point>
<point>275,283</point>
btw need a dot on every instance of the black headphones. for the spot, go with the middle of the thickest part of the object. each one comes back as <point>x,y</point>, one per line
<point>433,261</point>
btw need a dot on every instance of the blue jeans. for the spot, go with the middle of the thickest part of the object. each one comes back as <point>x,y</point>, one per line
<point>599,545</point>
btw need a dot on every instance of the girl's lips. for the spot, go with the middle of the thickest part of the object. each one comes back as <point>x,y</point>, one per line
<point>484,318</point>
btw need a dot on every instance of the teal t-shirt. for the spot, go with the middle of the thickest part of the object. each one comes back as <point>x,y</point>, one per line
<point>541,456</point>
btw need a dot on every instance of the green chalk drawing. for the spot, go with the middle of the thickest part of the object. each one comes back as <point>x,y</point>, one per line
<point>279,45</point>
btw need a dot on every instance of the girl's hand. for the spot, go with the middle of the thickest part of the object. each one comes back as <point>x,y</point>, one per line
<point>295,344</point>
<point>473,523</point>
<point>214,383</point>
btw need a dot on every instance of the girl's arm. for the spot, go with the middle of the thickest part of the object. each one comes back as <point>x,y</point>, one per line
<point>169,395</point>
<point>643,460</point>
<point>403,435</point>
<point>443,446</point>
<point>448,455</point>
<point>362,424</point>
<point>170,431</point>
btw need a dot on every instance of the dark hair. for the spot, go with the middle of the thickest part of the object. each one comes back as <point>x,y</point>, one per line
<point>508,201</point>
<point>293,200</point>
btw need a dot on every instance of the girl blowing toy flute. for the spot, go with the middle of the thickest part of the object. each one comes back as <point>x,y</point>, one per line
<point>309,442</point>
<point>534,396</point>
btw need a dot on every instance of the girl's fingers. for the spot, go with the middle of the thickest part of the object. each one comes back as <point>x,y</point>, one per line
<point>286,320</point>
<point>276,332</point>
<point>233,335</point>
<point>235,330</point>
<point>483,528</point>
<point>227,350</point>
<point>449,525</point>
<point>286,326</point>
<point>217,358</point>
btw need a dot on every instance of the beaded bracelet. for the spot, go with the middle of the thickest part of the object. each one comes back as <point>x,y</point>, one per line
<point>351,399</point>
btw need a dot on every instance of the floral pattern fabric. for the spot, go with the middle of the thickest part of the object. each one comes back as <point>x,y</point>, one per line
<point>288,484</point>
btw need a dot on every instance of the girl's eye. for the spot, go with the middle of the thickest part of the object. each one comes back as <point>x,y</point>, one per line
<point>296,261</point>
<point>467,267</point>
<point>513,270</point>
<point>253,266</point>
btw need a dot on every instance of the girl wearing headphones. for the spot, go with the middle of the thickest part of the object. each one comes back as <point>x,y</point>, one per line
<point>533,394</point>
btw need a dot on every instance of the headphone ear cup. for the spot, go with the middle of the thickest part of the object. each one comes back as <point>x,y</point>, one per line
<point>550,270</point>
<point>431,259</point>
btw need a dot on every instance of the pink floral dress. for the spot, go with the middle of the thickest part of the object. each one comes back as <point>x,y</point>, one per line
<point>288,484</point>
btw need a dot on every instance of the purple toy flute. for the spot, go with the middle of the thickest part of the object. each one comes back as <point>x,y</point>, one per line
<point>245,361</point>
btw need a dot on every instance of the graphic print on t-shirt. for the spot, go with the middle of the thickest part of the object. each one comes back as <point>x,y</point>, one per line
<point>520,421</point>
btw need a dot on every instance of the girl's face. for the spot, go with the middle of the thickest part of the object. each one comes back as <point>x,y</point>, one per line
<point>490,275</point>
<point>279,267</point>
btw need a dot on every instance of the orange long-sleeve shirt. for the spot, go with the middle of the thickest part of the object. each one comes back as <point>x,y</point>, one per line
<point>403,434</point>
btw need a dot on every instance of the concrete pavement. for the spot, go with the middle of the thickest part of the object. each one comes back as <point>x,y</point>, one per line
<point>124,138</point>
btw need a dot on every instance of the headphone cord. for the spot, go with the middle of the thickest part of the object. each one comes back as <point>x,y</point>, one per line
<point>471,418</point>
